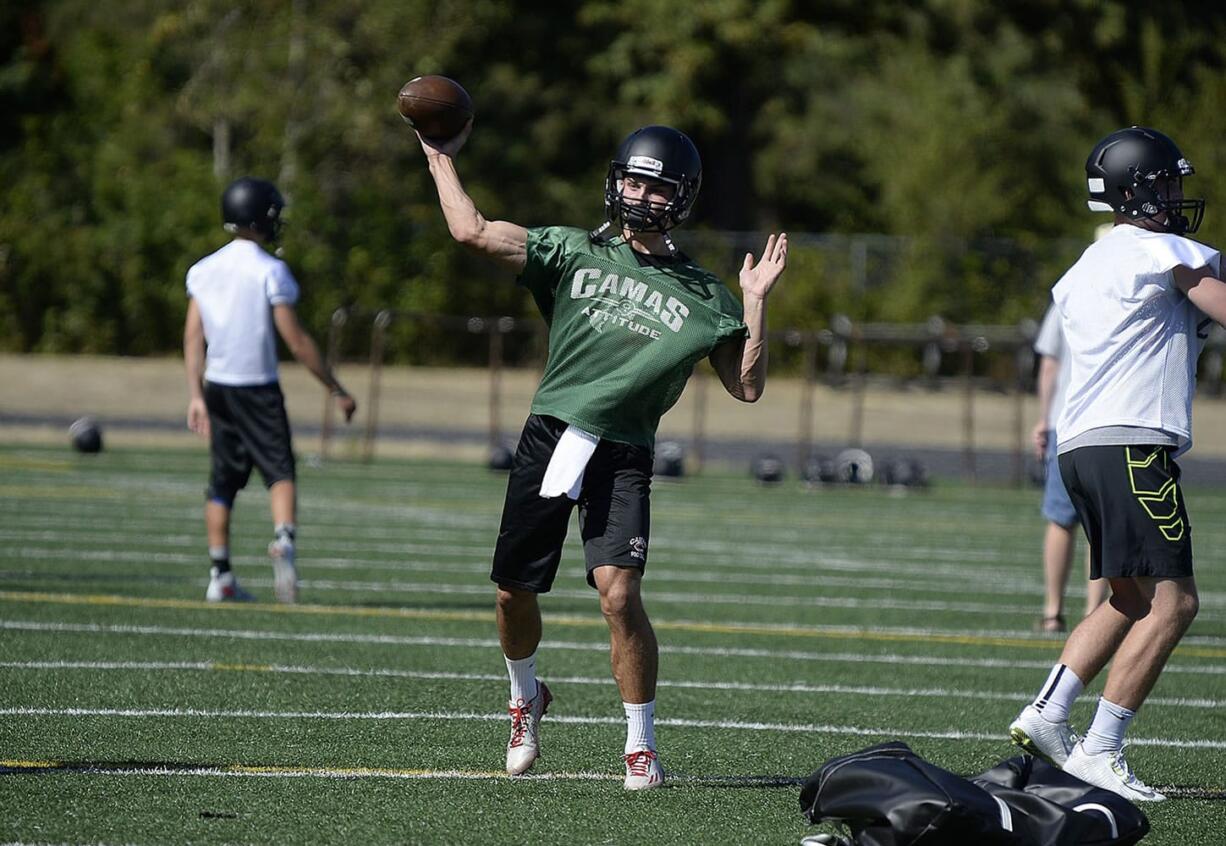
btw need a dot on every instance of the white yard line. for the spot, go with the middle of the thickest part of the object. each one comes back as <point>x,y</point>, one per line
<point>604,681</point>
<point>581,646</point>
<point>470,716</point>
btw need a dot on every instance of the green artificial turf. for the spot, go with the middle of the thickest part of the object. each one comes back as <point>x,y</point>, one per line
<point>794,625</point>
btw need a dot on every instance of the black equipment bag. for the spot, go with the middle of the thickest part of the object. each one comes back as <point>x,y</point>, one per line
<point>889,796</point>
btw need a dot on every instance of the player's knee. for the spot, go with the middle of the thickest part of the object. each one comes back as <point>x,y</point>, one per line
<point>512,599</point>
<point>619,599</point>
<point>1185,608</point>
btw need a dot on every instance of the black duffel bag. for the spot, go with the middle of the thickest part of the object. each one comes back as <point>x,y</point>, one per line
<point>887,795</point>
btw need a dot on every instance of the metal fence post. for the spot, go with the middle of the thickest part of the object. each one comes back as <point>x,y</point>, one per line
<point>377,339</point>
<point>497,329</point>
<point>804,446</point>
<point>335,326</point>
<point>700,417</point>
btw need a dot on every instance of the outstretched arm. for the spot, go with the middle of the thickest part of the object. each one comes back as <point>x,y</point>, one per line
<point>505,243</point>
<point>741,365</point>
<point>193,360</point>
<point>304,349</point>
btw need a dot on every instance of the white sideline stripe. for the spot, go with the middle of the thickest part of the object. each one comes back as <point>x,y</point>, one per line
<point>580,646</point>
<point>729,725</point>
<point>790,687</point>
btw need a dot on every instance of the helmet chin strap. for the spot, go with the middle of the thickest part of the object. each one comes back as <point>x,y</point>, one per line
<point>601,234</point>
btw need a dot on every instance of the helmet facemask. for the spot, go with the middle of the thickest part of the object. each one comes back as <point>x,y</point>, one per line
<point>642,214</point>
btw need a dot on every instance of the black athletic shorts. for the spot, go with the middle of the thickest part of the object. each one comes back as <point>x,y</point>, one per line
<point>614,510</point>
<point>249,428</point>
<point>1131,507</point>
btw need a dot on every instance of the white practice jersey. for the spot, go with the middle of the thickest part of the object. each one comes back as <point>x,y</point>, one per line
<point>235,289</point>
<point>1131,335</point>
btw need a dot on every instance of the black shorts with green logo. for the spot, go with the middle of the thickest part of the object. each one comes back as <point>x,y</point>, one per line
<point>1131,507</point>
<point>614,510</point>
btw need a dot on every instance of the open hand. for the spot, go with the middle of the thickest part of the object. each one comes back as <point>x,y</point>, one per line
<point>757,280</point>
<point>198,417</point>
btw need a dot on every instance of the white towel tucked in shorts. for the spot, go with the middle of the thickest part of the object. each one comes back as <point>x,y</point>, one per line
<point>564,475</point>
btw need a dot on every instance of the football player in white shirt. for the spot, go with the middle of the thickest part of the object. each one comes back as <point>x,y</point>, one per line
<point>1135,309</point>
<point>240,297</point>
<point>1059,541</point>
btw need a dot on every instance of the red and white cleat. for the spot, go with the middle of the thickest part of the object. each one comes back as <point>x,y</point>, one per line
<point>524,747</point>
<point>643,770</point>
<point>223,587</point>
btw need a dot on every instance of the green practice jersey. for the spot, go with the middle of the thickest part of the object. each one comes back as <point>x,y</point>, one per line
<point>624,336</point>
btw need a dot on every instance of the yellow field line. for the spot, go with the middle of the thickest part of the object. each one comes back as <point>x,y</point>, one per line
<point>849,633</point>
<point>328,772</point>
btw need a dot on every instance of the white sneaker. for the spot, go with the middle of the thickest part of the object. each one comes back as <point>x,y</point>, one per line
<point>1110,771</point>
<point>524,747</point>
<point>1042,738</point>
<point>223,587</point>
<point>284,574</point>
<point>643,770</point>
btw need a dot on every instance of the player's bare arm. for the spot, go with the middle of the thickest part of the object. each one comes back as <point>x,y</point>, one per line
<point>1049,370</point>
<point>504,242</point>
<point>306,352</point>
<point>1206,291</point>
<point>741,365</point>
<point>193,360</point>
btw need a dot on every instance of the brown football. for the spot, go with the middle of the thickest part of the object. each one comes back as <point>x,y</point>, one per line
<point>435,106</point>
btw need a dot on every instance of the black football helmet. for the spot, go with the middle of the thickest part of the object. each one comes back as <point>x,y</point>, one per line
<point>1123,172</point>
<point>255,204</point>
<point>655,152</point>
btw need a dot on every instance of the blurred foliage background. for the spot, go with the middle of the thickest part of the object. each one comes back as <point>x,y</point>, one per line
<point>926,157</point>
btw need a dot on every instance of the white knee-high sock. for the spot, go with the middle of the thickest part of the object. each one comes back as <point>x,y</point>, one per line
<point>640,726</point>
<point>1057,694</point>
<point>523,677</point>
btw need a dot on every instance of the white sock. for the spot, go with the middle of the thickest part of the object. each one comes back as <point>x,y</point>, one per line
<point>1057,694</point>
<point>283,537</point>
<point>640,726</point>
<point>1106,733</point>
<point>523,677</point>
